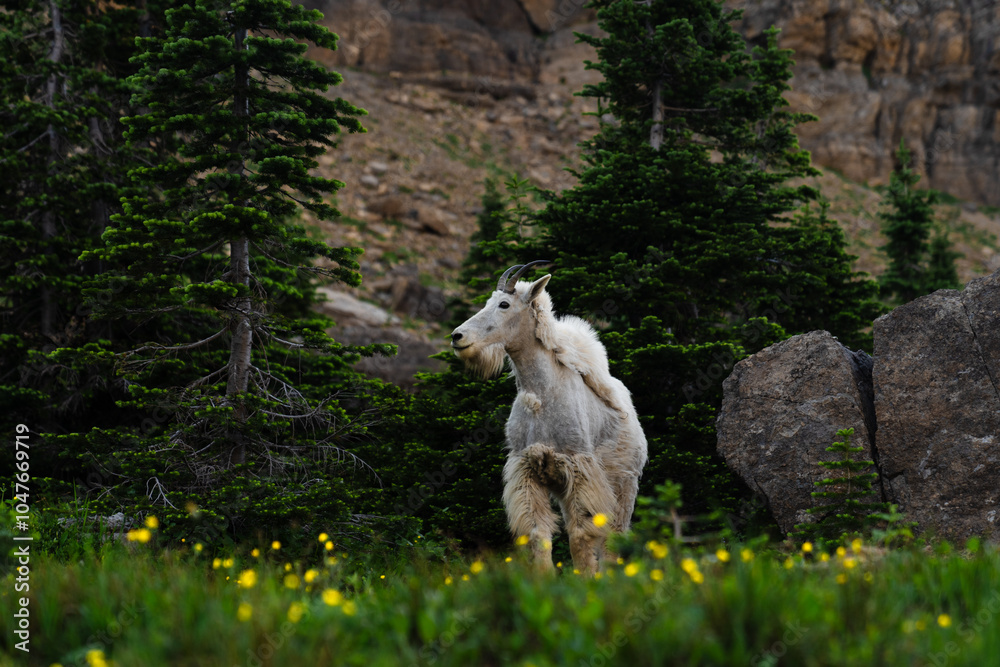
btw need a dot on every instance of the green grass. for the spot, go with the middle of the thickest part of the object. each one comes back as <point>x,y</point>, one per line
<point>141,605</point>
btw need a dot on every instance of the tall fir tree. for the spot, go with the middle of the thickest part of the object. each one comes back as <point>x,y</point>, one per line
<point>677,234</point>
<point>62,171</point>
<point>248,403</point>
<point>917,265</point>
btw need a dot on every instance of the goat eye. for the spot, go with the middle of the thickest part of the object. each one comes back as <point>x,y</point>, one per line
<point>504,305</point>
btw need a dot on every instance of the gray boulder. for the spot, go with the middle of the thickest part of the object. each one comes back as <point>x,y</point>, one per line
<point>937,364</point>
<point>782,408</point>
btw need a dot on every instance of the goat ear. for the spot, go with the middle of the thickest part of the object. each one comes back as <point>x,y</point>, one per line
<point>536,288</point>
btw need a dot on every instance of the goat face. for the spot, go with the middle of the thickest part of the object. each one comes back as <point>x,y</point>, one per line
<point>505,324</point>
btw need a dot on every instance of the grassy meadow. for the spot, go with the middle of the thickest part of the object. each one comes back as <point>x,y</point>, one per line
<point>139,603</point>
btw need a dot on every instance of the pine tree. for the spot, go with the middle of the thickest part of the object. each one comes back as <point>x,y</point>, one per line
<point>248,401</point>
<point>677,233</point>
<point>917,265</point>
<point>62,171</point>
<point>850,506</point>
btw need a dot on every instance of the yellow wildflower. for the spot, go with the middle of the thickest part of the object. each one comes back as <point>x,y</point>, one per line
<point>521,541</point>
<point>328,546</point>
<point>689,565</point>
<point>944,620</point>
<point>746,555</point>
<point>198,546</point>
<point>447,581</point>
<point>95,658</point>
<point>248,579</point>
<point>295,611</point>
<point>856,546</point>
<point>332,597</point>
<point>275,545</point>
<point>291,581</point>
<point>227,563</point>
<point>476,567</point>
<point>850,563</point>
<point>789,563</point>
<point>139,535</point>
<point>656,575</point>
<point>507,559</point>
<point>631,569</point>
<point>311,574</point>
<point>350,608</point>
<point>255,553</point>
<point>807,547</point>
<point>152,522</point>
<point>244,612</point>
<point>323,537</point>
<point>216,563</point>
<point>722,555</point>
<point>600,519</point>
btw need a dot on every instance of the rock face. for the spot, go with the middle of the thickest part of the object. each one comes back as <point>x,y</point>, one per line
<point>937,367</point>
<point>878,71</point>
<point>495,38</point>
<point>782,408</point>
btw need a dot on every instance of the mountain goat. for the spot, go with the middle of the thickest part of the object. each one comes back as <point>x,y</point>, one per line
<point>573,433</point>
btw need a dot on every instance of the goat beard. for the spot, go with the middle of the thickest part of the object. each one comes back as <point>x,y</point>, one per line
<point>485,363</point>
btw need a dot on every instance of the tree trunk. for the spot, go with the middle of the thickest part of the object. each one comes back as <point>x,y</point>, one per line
<point>49,304</point>
<point>239,274</point>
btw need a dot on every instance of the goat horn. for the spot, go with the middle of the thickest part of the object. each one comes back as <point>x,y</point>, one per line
<point>521,270</point>
<point>502,283</point>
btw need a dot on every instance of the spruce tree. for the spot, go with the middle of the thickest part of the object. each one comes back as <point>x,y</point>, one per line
<point>62,170</point>
<point>677,234</point>
<point>248,402</point>
<point>917,265</point>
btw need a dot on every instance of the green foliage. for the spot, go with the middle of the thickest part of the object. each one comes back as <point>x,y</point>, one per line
<point>731,607</point>
<point>917,264</point>
<point>847,507</point>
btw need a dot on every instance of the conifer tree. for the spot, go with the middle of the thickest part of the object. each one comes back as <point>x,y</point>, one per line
<point>677,233</point>
<point>245,394</point>
<point>917,265</point>
<point>62,171</point>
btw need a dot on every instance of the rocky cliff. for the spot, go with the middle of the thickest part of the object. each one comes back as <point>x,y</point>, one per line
<point>873,71</point>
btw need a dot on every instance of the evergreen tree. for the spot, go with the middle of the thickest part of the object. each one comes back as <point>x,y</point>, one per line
<point>676,234</point>
<point>850,507</point>
<point>248,402</point>
<point>62,170</point>
<point>917,265</point>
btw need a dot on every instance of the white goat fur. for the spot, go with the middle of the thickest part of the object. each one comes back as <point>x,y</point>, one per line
<point>573,434</point>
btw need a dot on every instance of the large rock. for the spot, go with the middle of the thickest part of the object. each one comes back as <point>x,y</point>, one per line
<point>937,366</point>
<point>782,408</point>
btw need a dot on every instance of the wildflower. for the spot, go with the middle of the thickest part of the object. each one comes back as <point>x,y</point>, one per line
<point>332,597</point>
<point>244,612</point>
<point>944,620</point>
<point>291,581</point>
<point>295,611</point>
<point>689,565</point>
<point>288,567</point>
<point>631,569</point>
<point>350,608</point>
<point>547,545</point>
<point>576,571</point>
<point>465,577</point>
<point>849,563</point>
<point>227,563</point>
<point>824,557</point>
<point>328,546</point>
<point>841,578</point>
<point>323,537</point>
<point>656,575</point>
<point>507,559</point>
<point>559,564</point>
<point>311,574</point>
<point>807,547</point>
<point>521,541</point>
<point>198,546</point>
<point>841,552</point>
<point>95,658</point>
<point>600,519</point>
<point>152,522</point>
<point>856,546</point>
<point>597,575</point>
<point>746,555</point>
<point>382,576</point>
<point>275,545</point>
<point>447,581</point>
<point>658,550</point>
<point>248,578</point>
<point>697,577</point>
<point>330,562</point>
<point>139,535</point>
<point>216,563</point>
<point>722,555</point>
<point>789,563</point>
<point>621,561</point>
<point>476,567</point>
